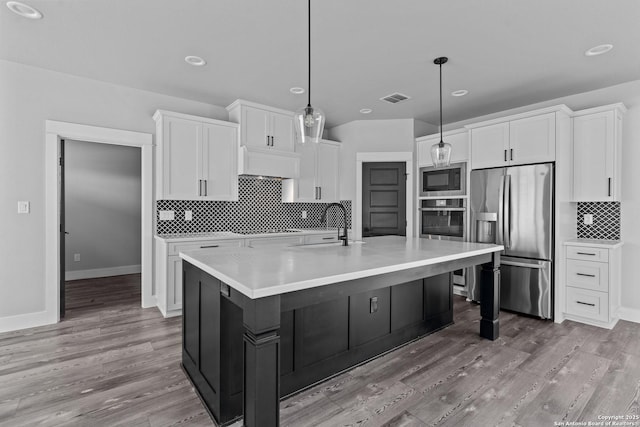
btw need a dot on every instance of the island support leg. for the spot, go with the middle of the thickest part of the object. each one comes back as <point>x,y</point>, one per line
<point>490,298</point>
<point>261,400</point>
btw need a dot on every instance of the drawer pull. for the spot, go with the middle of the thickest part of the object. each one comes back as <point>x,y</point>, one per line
<point>328,238</point>
<point>587,275</point>
<point>209,246</point>
<point>586,303</point>
<point>585,253</point>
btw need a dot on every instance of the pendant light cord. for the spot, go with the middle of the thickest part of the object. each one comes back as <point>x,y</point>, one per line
<point>309,41</point>
<point>441,141</point>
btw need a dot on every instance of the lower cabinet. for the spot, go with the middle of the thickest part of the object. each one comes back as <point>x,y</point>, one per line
<point>593,284</point>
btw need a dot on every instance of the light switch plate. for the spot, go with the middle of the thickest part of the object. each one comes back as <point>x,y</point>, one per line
<point>588,219</point>
<point>304,214</point>
<point>23,207</point>
<point>188,215</point>
<point>167,215</point>
<point>76,257</point>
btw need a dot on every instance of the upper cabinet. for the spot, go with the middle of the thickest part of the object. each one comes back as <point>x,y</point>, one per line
<point>196,158</point>
<point>262,126</point>
<point>319,171</point>
<point>514,142</point>
<point>597,137</point>
<point>459,140</point>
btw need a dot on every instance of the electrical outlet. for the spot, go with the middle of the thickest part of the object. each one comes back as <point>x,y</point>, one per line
<point>76,257</point>
<point>304,214</point>
<point>23,207</point>
<point>167,215</point>
<point>188,215</point>
<point>588,219</point>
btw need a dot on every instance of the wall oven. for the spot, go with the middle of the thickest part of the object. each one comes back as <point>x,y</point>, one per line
<point>440,182</point>
<point>443,219</point>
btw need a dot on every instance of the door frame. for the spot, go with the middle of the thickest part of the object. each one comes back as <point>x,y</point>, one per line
<point>54,132</point>
<point>383,157</point>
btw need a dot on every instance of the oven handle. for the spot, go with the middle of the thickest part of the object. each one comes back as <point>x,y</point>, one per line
<point>443,209</point>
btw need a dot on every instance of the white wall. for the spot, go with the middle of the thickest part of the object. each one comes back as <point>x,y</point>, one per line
<point>29,96</point>
<point>629,94</point>
<point>102,208</point>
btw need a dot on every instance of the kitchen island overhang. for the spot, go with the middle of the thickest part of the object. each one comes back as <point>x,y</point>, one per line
<point>262,323</point>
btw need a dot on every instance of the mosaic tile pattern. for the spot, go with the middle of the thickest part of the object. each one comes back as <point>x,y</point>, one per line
<point>259,207</point>
<point>606,220</point>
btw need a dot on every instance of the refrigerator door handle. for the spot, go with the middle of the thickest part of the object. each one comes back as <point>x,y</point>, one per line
<point>507,211</point>
<point>500,222</point>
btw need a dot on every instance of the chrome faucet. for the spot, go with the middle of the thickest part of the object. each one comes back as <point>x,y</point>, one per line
<point>344,237</point>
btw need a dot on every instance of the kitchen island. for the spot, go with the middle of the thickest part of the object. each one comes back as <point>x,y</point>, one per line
<point>262,323</point>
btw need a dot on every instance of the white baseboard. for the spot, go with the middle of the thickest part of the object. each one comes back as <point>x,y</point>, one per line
<point>629,314</point>
<point>102,272</point>
<point>24,321</point>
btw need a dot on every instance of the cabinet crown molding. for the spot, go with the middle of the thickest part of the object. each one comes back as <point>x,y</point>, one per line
<point>619,107</point>
<point>242,102</point>
<point>164,113</point>
<point>553,109</point>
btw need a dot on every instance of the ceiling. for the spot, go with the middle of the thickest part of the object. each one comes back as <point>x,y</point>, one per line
<point>506,53</point>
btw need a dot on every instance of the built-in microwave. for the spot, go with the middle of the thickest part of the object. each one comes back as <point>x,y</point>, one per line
<point>439,182</point>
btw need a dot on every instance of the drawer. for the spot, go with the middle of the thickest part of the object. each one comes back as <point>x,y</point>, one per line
<point>176,248</point>
<point>586,253</point>
<point>593,305</point>
<point>274,241</point>
<point>588,275</point>
<point>321,238</point>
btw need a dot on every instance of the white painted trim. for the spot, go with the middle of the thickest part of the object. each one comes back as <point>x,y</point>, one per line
<point>361,158</point>
<point>102,272</point>
<point>62,130</point>
<point>24,321</point>
<point>629,314</point>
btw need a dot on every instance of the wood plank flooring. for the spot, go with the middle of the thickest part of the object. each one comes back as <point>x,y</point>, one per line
<point>111,363</point>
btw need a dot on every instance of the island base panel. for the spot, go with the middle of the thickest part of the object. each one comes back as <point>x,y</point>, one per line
<point>490,298</point>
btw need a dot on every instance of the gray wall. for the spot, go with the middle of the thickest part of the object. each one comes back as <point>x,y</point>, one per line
<point>29,97</point>
<point>102,205</point>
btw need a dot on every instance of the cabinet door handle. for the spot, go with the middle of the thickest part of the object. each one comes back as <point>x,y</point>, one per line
<point>199,187</point>
<point>267,140</point>
<point>609,192</point>
<point>586,303</point>
<point>319,193</point>
<point>205,188</point>
<point>328,238</point>
<point>511,153</point>
<point>316,191</point>
<point>587,275</point>
<point>585,253</point>
<point>272,140</point>
<point>505,155</point>
<point>209,246</point>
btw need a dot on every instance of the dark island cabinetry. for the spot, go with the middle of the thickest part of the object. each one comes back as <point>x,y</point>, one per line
<point>319,334</point>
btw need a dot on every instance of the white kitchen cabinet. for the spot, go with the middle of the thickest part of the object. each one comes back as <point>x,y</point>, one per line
<point>281,241</point>
<point>168,278</point>
<point>597,140</point>
<point>593,282</point>
<point>319,172</point>
<point>514,142</point>
<point>459,140</point>
<point>262,126</point>
<point>196,158</point>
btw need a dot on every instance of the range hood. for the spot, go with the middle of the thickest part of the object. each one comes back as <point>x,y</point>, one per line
<point>267,162</point>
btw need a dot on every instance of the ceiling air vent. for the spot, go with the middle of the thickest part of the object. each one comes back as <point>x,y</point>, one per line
<point>394,98</point>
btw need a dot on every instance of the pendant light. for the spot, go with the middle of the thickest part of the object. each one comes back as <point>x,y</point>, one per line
<point>441,152</point>
<point>309,121</point>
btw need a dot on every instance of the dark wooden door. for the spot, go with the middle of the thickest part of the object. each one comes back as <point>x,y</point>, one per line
<point>384,199</point>
<point>63,233</point>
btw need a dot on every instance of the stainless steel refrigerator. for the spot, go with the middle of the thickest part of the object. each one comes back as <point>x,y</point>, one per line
<point>513,206</point>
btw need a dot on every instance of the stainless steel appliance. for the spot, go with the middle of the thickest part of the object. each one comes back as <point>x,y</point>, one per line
<point>440,182</point>
<point>513,207</point>
<point>443,219</point>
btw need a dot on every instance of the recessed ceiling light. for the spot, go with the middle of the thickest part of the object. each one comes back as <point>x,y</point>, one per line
<point>461,92</point>
<point>195,61</point>
<point>366,110</point>
<point>297,90</point>
<point>24,10</point>
<point>598,50</point>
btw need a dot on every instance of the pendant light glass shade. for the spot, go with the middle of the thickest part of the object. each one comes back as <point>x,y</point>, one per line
<point>441,152</point>
<point>309,124</point>
<point>309,121</point>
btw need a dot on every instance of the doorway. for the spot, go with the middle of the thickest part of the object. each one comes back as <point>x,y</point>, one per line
<point>384,157</point>
<point>100,222</point>
<point>55,133</point>
<point>384,199</point>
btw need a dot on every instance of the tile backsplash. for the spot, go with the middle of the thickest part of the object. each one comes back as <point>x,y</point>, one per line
<point>606,220</point>
<point>259,207</point>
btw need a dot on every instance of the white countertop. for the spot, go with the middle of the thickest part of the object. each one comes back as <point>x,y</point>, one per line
<point>597,243</point>
<point>262,272</point>
<point>226,235</point>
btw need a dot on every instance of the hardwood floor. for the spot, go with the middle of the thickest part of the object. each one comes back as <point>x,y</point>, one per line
<point>112,363</point>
